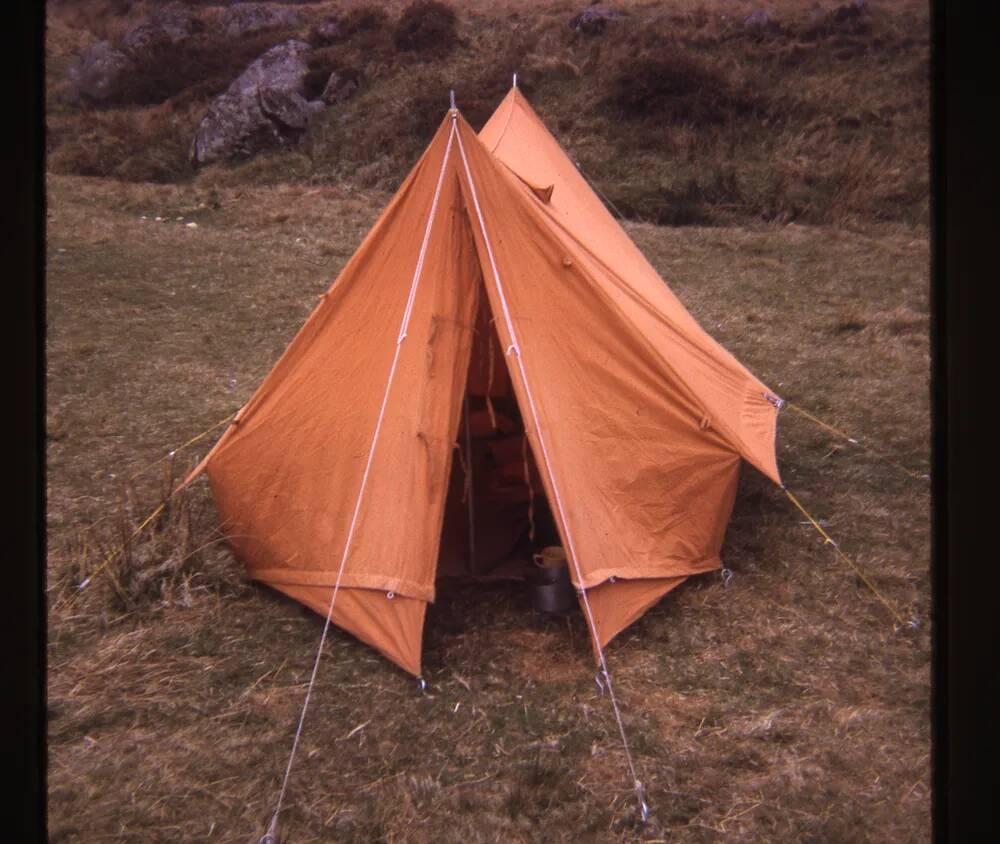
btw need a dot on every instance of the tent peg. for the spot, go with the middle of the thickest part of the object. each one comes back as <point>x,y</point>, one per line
<point>452,94</point>
<point>515,80</point>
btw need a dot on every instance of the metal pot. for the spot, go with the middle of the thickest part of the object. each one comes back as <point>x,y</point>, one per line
<point>549,582</point>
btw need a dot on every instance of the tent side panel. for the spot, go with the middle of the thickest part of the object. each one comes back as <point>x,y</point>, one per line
<point>393,627</point>
<point>287,479</point>
<point>519,139</point>
<point>646,488</point>
<point>616,605</point>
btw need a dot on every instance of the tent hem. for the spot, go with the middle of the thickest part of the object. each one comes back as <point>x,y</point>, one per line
<point>349,580</point>
<point>676,567</point>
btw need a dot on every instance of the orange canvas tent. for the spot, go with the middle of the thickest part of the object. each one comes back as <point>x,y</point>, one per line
<point>498,338</point>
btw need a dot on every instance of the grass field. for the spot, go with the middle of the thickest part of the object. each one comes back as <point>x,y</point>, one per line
<point>782,706</point>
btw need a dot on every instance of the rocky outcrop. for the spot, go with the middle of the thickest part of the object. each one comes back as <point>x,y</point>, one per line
<point>593,21</point>
<point>339,87</point>
<point>760,21</point>
<point>264,108</point>
<point>247,18</point>
<point>169,25</point>
<point>100,73</point>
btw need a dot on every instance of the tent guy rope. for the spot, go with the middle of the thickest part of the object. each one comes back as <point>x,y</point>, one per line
<point>873,452</point>
<point>113,554</point>
<point>173,452</point>
<point>271,836</point>
<point>514,348</point>
<point>830,541</point>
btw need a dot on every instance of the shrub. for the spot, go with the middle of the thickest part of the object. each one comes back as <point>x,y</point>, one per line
<point>676,87</point>
<point>364,19</point>
<point>426,26</point>
<point>148,145</point>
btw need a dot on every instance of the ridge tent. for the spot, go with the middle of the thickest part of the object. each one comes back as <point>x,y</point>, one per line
<point>497,323</point>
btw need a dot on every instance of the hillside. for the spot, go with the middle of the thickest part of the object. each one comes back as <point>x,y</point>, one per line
<point>681,113</point>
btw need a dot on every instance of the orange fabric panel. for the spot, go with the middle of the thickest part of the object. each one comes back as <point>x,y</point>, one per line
<point>726,393</point>
<point>286,479</point>
<point>646,488</point>
<point>394,627</point>
<point>616,605</point>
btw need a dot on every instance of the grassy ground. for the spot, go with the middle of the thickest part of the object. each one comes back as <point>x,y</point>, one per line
<point>783,706</point>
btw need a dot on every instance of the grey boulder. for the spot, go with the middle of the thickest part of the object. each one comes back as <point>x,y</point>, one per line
<point>339,87</point>
<point>264,108</point>
<point>100,73</point>
<point>169,25</point>
<point>247,18</point>
<point>594,20</point>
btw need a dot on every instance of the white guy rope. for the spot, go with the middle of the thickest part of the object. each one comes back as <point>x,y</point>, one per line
<point>271,836</point>
<point>515,348</point>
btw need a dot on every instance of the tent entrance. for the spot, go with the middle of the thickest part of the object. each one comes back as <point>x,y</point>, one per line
<point>496,513</point>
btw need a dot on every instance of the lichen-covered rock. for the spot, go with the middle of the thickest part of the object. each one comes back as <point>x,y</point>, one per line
<point>327,32</point>
<point>263,108</point>
<point>339,87</point>
<point>100,73</point>
<point>760,21</point>
<point>247,18</point>
<point>594,20</point>
<point>289,109</point>
<point>170,24</point>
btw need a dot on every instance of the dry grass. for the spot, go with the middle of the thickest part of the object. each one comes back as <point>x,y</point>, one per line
<point>681,114</point>
<point>780,707</point>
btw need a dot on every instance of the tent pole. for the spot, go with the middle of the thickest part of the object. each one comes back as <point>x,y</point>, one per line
<point>468,475</point>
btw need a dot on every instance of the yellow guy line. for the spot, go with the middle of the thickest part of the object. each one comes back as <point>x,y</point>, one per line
<point>858,443</point>
<point>888,604</point>
<point>190,442</point>
<point>113,554</point>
